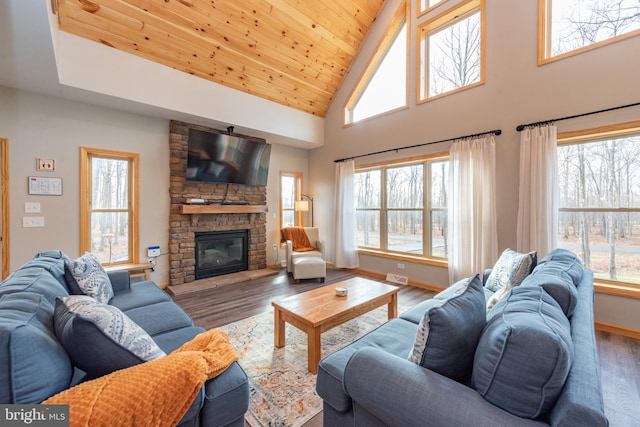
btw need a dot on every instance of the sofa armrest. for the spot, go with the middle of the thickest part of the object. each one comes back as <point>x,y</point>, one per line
<point>399,392</point>
<point>120,280</point>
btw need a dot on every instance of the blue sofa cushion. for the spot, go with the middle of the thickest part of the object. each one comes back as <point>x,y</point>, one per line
<point>53,262</point>
<point>415,313</point>
<point>449,331</point>
<point>559,274</point>
<point>559,286</point>
<point>395,337</point>
<point>100,338</point>
<point>524,354</point>
<point>36,279</point>
<point>33,364</point>
<point>510,270</point>
<point>565,261</point>
<point>85,275</point>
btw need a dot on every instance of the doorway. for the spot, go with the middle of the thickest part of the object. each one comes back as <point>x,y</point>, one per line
<point>4,207</point>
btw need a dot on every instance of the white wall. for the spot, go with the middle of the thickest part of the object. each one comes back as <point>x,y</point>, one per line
<point>517,91</point>
<point>39,126</point>
<point>285,159</point>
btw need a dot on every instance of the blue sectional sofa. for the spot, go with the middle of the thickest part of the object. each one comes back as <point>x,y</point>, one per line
<point>34,365</point>
<point>534,361</point>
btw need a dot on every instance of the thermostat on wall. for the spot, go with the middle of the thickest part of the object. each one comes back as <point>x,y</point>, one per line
<point>153,251</point>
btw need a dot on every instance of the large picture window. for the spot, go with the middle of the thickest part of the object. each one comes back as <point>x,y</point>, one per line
<point>568,27</point>
<point>108,204</point>
<point>402,208</point>
<point>599,215</point>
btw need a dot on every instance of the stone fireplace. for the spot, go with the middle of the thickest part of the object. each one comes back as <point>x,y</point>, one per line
<point>186,220</point>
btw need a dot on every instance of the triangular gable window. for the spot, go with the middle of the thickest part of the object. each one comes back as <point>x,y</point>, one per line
<point>383,86</point>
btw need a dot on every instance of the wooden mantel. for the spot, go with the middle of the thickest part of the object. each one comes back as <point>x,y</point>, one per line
<point>221,209</point>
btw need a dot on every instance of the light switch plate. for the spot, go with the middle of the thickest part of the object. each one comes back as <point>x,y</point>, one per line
<point>31,207</point>
<point>32,221</point>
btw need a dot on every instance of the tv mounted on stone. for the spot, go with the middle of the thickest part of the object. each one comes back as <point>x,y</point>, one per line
<point>228,159</point>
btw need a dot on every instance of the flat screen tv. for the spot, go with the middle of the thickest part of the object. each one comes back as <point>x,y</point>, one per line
<point>231,159</point>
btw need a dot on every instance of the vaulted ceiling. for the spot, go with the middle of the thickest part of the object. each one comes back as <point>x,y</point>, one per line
<point>293,52</point>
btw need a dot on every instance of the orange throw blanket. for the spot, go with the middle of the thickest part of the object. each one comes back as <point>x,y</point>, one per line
<point>155,393</point>
<point>299,239</point>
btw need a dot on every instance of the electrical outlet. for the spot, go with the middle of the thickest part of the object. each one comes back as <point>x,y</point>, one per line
<point>45,165</point>
<point>400,266</point>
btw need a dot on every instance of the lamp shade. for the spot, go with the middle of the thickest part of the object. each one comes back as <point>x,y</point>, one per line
<point>301,206</point>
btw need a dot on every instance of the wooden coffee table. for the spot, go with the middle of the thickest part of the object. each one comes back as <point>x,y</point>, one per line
<point>319,310</point>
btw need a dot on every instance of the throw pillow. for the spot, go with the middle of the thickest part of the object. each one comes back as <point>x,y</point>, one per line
<point>497,296</point>
<point>510,270</point>
<point>525,353</point>
<point>100,338</point>
<point>85,275</point>
<point>449,332</point>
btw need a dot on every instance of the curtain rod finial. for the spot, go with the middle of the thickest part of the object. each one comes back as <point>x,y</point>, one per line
<point>498,132</point>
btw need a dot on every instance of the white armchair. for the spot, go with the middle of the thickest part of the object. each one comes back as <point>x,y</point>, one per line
<point>306,264</point>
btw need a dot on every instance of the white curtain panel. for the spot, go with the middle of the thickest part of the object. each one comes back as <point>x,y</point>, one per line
<point>539,193</point>
<point>472,207</point>
<point>346,239</point>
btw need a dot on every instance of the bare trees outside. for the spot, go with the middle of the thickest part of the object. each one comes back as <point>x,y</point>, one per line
<point>110,210</point>
<point>454,55</point>
<point>579,23</point>
<point>395,202</point>
<point>600,205</point>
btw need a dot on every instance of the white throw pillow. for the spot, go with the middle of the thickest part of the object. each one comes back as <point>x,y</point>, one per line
<point>510,270</point>
<point>85,275</point>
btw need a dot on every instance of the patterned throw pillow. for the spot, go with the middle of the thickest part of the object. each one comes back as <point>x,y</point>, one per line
<point>85,275</point>
<point>100,338</point>
<point>449,331</point>
<point>510,270</point>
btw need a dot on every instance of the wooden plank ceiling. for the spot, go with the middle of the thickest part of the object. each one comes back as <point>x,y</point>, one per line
<point>293,52</point>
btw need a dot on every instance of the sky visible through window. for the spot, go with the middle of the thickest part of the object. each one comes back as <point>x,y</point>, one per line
<point>387,89</point>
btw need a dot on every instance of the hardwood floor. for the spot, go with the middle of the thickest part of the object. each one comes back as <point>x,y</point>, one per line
<point>619,356</point>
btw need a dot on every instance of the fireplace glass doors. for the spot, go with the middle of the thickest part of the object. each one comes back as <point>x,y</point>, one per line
<point>221,252</point>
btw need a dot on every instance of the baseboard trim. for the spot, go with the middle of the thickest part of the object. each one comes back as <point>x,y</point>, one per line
<point>381,276</point>
<point>618,330</point>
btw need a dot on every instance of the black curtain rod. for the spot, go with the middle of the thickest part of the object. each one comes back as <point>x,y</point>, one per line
<point>520,128</point>
<point>495,132</point>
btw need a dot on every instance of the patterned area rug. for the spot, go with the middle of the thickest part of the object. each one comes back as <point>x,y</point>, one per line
<point>282,389</point>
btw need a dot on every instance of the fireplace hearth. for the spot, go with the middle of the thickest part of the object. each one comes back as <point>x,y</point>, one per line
<point>220,252</point>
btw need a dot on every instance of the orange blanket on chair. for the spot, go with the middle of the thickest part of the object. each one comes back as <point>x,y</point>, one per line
<point>155,393</point>
<point>299,239</point>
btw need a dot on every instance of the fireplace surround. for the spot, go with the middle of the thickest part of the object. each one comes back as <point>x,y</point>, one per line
<point>220,252</point>
<point>184,226</point>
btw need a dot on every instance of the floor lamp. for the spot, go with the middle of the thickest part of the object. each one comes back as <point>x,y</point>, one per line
<point>303,205</point>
